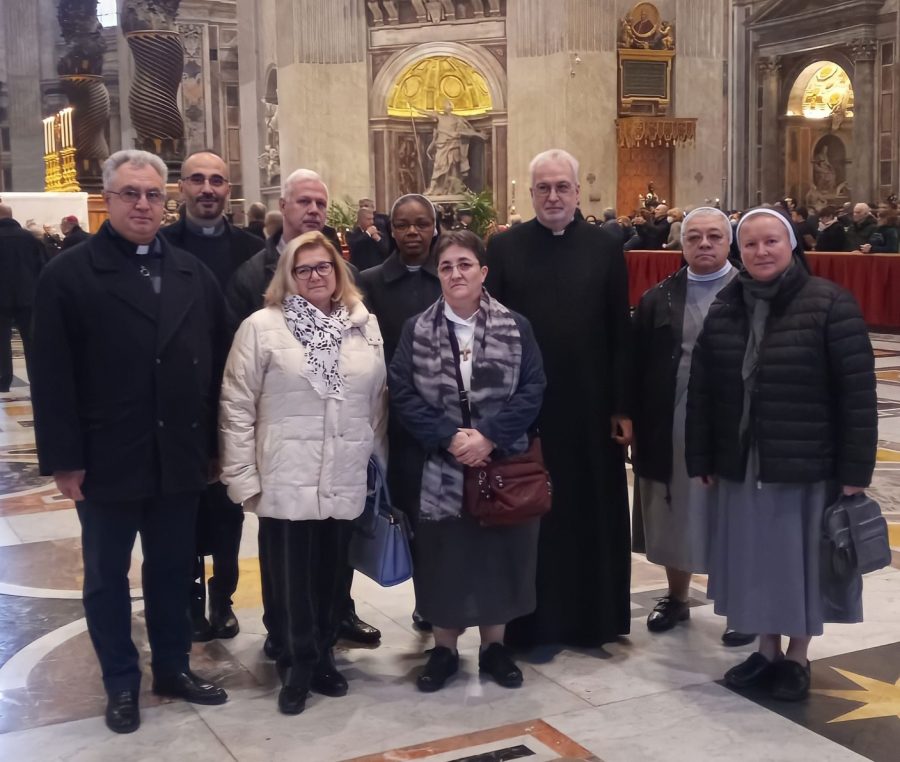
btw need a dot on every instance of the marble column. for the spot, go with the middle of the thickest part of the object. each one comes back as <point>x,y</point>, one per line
<point>19,23</point>
<point>768,70</point>
<point>862,52</point>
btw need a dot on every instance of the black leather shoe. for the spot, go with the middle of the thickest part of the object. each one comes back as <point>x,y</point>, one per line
<point>755,670</point>
<point>190,687</point>
<point>291,700</point>
<point>442,664</point>
<point>326,679</point>
<point>496,661</point>
<point>223,622</point>
<point>354,629</point>
<point>422,625</point>
<point>271,648</point>
<point>122,713</point>
<point>791,681</point>
<point>668,612</point>
<point>733,638</point>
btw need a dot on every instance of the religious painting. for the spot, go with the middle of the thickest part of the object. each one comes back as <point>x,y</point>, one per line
<point>644,29</point>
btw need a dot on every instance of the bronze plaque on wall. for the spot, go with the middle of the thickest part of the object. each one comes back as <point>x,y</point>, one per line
<point>645,79</point>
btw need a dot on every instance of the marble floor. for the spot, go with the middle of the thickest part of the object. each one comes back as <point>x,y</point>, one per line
<point>646,696</point>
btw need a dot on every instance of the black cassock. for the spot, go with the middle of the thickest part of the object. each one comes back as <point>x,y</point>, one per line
<point>574,290</point>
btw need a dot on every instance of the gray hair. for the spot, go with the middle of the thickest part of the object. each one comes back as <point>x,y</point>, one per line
<point>137,159</point>
<point>299,175</point>
<point>554,154</point>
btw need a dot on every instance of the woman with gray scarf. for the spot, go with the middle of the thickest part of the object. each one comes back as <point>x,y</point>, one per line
<point>467,575</point>
<point>781,412</point>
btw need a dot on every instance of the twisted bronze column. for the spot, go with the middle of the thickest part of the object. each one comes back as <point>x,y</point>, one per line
<point>149,27</point>
<point>81,75</point>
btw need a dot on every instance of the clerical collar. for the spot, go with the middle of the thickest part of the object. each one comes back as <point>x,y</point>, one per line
<point>414,268</point>
<point>216,229</point>
<point>129,247</point>
<point>454,318</point>
<point>726,268</point>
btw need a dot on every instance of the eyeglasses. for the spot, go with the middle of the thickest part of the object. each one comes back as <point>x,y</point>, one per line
<point>133,195</point>
<point>562,189</point>
<point>304,272</point>
<point>199,179</point>
<point>695,239</point>
<point>401,226</point>
<point>464,267</point>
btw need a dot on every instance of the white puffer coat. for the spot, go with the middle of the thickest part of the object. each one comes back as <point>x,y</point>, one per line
<point>286,452</point>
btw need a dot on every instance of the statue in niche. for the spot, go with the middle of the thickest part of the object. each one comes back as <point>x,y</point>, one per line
<point>449,149</point>
<point>270,163</point>
<point>643,29</point>
<point>824,175</point>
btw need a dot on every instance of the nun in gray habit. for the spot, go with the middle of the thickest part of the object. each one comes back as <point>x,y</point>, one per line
<point>781,414</point>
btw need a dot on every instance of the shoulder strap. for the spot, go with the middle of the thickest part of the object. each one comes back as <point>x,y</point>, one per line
<point>463,394</point>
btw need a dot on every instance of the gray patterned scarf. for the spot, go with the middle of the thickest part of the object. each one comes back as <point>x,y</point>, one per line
<point>496,361</point>
<point>320,336</point>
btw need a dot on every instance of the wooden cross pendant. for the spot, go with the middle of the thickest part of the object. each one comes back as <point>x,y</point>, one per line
<point>465,354</point>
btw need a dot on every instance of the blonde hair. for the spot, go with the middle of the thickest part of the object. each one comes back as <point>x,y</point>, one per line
<point>282,285</point>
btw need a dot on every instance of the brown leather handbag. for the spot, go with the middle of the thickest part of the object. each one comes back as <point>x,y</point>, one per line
<point>509,491</point>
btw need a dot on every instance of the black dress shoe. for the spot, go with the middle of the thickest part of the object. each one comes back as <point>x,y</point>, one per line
<point>223,622</point>
<point>791,681</point>
<point>755,670</point>
<point>354,629</point>
<point>668,612</point>
<point>421,624</point>
<point>291,700</point>
<point>326,679</point>
<point>442,664</point>
<point>122,713</point>
<point>201,632</point>
<point>188,686</point>
<point>496,661</point>
<point>271,648</point>
<point>733,638</point>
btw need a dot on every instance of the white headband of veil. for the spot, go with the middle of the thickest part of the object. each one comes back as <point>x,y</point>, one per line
<point>771,213</point>
<point>417,197</point>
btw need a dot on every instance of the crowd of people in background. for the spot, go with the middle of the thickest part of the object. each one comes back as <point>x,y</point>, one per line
<point>186,373</point>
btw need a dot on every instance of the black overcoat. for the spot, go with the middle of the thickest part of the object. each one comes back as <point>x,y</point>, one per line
<point>125,382</point>
<point>21,258</point>
<point>573,288</point>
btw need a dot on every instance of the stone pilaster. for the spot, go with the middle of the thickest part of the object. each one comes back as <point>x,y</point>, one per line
<point>769,72</point>
<point>862,53</point>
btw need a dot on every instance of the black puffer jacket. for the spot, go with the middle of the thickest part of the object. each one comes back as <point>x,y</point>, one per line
<point>813,412</point>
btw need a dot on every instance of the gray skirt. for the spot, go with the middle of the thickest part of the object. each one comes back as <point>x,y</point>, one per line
<point>467,575</point>
<point>765,571</point>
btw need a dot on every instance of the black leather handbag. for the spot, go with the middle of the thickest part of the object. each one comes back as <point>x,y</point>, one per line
<point>856,535</point>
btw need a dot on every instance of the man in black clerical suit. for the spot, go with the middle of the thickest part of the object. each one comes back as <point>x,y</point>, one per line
<point>568,278</point>
<point>203,231</point>
<point>129,344</point>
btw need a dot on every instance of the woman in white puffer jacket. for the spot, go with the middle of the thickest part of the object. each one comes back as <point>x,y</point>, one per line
<point>303,407</point>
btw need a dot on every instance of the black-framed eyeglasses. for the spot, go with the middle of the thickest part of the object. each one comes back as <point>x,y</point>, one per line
<point>133,195</point>
<point>304,272</point>
<point>401,226</point>
<point>199,179</point>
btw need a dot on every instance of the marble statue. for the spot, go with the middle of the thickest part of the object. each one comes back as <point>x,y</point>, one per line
<point>449,148</point>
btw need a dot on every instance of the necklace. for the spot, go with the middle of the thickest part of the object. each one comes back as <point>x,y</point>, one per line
<point>466,352</point>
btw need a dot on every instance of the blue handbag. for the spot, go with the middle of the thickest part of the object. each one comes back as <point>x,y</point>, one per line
<point>379,547</point>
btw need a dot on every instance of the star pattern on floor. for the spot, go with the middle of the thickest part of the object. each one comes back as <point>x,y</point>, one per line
<point>878,698</point>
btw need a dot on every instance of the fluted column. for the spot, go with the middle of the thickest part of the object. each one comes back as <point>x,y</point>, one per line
<point>149,28</point>
<point>862,52</point>
<point>81,76</point>
<point>769,70</point>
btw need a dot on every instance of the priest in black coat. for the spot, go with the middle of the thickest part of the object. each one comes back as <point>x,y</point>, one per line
<point>569,279</point>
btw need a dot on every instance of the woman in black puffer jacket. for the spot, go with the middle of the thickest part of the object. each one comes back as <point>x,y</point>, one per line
<point>782,411</point>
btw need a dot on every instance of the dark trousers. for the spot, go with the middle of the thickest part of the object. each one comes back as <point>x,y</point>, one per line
<point>108,530</point>
<point>21,319</point>
<point>307,562</point>
<point>219,526</point>
<point>345,604</point>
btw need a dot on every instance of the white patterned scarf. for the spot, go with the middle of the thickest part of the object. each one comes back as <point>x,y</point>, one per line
<point>320,335</point>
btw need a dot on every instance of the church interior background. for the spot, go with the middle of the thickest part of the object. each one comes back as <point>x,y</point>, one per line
<point>734,102</point>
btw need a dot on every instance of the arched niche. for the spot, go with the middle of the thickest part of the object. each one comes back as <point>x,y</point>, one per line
<point>821,90</point>
<point>400,138</point>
